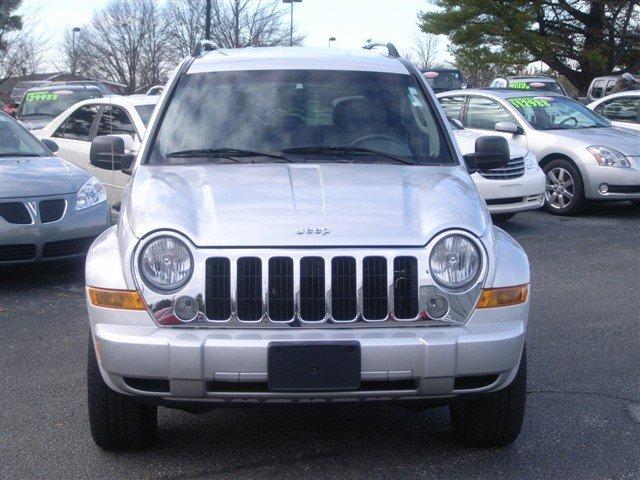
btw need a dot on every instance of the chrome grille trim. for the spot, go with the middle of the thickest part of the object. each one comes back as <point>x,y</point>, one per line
<point>514,169</point>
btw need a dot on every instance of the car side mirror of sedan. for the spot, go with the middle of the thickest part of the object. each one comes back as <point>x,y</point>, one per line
<point>108,152</point>
<point>51,145</point>
<point>508,127</point>
<point>491,152</point>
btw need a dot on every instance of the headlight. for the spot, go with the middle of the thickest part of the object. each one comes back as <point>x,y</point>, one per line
<point>609,157</point>
<point>91,193</point>
<point>530,161</point>
<point>166,263</point>
<point>454,261</point>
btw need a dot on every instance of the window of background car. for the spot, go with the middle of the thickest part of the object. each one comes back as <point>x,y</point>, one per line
<point>270,111</point>
<point>145,112</point>
<point>556,113</point>
<point>598,88</point>
<point>444,80</point>
<point>452,106</point>
<point>484,113</point>
<point>77,126</point>
<point>621,109</point>
<point>53,103</point>
<point>115,121</point>
<point>16,141</point>
<point>549,86</point>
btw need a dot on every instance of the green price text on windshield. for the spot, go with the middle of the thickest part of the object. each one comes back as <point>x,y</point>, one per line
<point>41,97</point>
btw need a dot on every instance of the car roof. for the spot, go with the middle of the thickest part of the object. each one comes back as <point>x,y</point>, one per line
<point>501,93</point>
<point>63,86</point>
<point>532,78</point>
<point>439,70</point>
<point>123,101</point>
<point>296,58</point>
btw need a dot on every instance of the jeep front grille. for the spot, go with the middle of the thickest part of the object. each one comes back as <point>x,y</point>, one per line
<point>514,169</point>
<point>281,289</point>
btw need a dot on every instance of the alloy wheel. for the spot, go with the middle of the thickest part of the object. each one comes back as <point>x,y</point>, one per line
<point>560,188</point>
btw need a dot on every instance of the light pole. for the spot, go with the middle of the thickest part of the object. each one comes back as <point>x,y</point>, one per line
<point>291,27</point>
<point>74,60</point>
<point>207,21</point>
<point>331,39</point>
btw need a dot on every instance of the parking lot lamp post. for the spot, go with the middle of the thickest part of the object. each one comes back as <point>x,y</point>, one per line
<point>331,39</point>
<point>74,54</point>
<point>291,26</point>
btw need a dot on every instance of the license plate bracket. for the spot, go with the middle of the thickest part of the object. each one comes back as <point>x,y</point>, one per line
<point>313,366</point>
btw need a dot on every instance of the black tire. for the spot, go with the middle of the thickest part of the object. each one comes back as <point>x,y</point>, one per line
<point>502,217</point>
<point>494,419</point>
<point>117,421</point>
<point>578,202</point>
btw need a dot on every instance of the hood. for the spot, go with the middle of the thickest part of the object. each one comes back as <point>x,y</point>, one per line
<point>39,176</point>
<point>35,122</point>
<point>466,141</point>
<point>622,139</point>
<point>304,205</point>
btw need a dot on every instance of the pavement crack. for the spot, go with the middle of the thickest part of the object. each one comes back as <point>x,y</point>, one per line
<point>584,393</point>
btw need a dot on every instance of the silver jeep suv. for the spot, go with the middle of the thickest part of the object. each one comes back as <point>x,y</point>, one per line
<point>301,228</point>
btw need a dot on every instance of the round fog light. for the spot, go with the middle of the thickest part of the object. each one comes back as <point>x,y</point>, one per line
<point>603,188</point>
<point>185,308</point>
<point>437,306</point>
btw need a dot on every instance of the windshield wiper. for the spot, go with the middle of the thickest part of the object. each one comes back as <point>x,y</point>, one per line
<point>343,150</point>
<point>18,154</point>
<point>230,153</point>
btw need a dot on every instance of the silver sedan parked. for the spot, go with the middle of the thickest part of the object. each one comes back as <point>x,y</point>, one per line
<point>583,156</point>
<point>49,208</point>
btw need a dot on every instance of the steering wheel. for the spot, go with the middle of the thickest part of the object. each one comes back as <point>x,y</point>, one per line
<point>575,121</point>
<point>381,136</point>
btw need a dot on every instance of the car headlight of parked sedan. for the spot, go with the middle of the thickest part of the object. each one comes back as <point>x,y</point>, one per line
<point>91,193</point>
<point>166,263</point>
<point>609,157</point>
<point>455,262</point>
<point>531,162</point>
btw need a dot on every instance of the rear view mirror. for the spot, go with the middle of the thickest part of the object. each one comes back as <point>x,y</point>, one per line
<point>51,145</point>
<point>491,152</point>
<point>508,127</point>
<point>108,152</point>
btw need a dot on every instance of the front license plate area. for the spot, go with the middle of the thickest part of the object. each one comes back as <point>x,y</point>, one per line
<point>313,366</point>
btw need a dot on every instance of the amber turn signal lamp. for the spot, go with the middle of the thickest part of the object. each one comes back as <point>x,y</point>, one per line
<point>121,299</point>
<point>503,297</point>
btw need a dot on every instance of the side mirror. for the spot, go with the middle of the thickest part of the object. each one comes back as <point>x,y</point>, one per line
<point>108,152</point>
<point>508,127</point>
<point>51,145</point>
<point>491,152</point>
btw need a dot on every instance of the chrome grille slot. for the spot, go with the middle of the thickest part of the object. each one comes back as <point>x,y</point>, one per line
<point>312,291</point>
<point>344,303</point>
<point>405,287</point>
<point>249,289</point>
<point>514,169</point>
<point>280,289</point>
<point>375,304</point>
<point>218,289</point>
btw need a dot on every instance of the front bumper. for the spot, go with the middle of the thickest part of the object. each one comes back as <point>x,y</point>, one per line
<point>68,237</point>
<point>511,196</point>
<point>230,365</point>
<point>623,183</point>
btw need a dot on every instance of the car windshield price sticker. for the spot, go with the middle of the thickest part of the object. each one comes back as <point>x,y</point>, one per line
<point>522,102</point>
<point>41,97</point>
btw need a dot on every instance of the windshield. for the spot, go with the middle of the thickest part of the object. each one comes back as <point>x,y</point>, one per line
<point>451,80</point>
<point>553,86</point>
<point>145,112</point>
<point>15,141</point>
<point>556,113</point>
<point>53,103</point>
<point>366,114</point>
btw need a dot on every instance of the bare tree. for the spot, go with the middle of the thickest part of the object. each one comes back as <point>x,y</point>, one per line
<point>234,24</point>
<point>425,50</point>
<point>21,49</point>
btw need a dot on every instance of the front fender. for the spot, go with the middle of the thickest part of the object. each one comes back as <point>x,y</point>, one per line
<point>103,267</point>
<point>511,264</point>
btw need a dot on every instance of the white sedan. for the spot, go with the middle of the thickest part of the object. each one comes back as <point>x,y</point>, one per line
<point>75,128</point>
<point>507,191</point>
<point>621,109</point>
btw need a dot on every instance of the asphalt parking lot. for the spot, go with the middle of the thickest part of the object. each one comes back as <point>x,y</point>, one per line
<point>583,407</point>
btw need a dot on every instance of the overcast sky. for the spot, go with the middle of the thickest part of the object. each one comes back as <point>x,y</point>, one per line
<point>350,21</point>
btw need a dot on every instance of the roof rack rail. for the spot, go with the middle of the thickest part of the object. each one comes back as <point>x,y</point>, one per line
<point>391,48</point>
<point>203,46</point>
